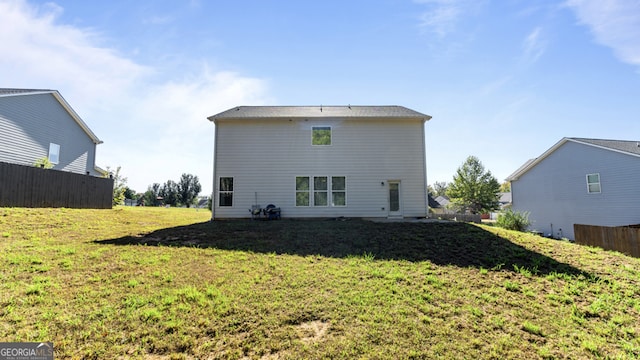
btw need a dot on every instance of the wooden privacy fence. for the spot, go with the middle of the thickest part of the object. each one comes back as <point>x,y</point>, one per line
<point>476,218</point>
<point>26,186</point>
<point>620,238</point>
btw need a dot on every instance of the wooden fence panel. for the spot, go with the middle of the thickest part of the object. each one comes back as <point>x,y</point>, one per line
<point>620,238</point>
<point>26,186</point>
<point>476,218</point>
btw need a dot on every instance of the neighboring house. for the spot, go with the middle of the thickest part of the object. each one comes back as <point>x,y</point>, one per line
<point>504,200</point>
<point>440,205</point>
<point>319,161</point>
<point>579,181</point>
<point>36,124</point>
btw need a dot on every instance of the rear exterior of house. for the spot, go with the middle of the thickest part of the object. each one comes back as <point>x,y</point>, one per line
<point>351,161</point>
<point>37,124</point>
<point>580,181</point>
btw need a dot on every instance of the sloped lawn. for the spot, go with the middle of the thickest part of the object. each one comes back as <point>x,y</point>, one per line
<point>168,284</point>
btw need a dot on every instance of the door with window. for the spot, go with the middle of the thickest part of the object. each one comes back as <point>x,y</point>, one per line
<point>395,203</point>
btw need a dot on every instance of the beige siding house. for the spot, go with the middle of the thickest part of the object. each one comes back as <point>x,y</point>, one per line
<point>315,161</point>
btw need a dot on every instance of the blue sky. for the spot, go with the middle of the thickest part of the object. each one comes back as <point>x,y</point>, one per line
<point>503,80</point>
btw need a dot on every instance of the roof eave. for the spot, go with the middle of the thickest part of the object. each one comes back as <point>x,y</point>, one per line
<point>76,117</point>
<point>516,175</point>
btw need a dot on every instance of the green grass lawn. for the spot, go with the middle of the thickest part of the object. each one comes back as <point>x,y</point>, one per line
<point>162,283</point>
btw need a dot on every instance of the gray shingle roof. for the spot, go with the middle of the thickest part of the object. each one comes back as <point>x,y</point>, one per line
<point>7,91</point>
<point>628,146</point>
<point>264,112</point>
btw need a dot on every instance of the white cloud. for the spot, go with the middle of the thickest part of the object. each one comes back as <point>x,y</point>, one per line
<point>154,130</point>
<point>533,46</point>
<point>442,17</point>
<point>37,52</point>
<point>613,23</point>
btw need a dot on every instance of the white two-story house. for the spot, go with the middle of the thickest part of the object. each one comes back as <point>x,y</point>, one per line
<point>320,161</point>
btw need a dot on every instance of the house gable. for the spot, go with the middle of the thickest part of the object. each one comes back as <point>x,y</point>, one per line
<point>34,121</point>
<point>621,146</point>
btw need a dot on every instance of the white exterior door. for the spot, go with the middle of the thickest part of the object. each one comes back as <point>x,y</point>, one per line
<point>395,203</point>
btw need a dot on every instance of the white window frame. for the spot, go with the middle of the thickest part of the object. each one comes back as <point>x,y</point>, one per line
<point>312,190</point>
<point>589,184</point>
<point>308,191</point>
<point>339,191</point>
<point>322,127</point>
<point>324,191</point>
<point>54,153</point>
<point>227,192</point>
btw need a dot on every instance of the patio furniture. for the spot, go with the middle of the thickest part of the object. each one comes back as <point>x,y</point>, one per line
<point>271,212</point>
<point>256,211</point>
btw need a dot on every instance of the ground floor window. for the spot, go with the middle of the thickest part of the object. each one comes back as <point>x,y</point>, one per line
<point>225,191</point>
<point>320,191</point>
<point>302,190</point>
<point>338,191</point>
<point>326,191</point>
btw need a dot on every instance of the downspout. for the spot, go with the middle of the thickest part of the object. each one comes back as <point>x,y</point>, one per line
<point>215,163</point>
<point>424,154</point>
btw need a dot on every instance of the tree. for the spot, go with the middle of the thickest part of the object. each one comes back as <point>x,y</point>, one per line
<point>150,196</point>
<point>440,188</point>
<point>119,185</point>
<point>474,189</point>
<point>505,187</point>
<point>169,191</point>
<point>188,189</point>
<point>129,193</point>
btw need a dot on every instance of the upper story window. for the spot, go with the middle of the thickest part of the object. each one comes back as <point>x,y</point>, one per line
<point>54,153</point>
<point>593,183</point>
<point>321,135</point>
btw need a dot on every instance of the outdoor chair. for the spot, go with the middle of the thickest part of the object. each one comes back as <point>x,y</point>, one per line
<point>271,212</point>
<point>255,211</point>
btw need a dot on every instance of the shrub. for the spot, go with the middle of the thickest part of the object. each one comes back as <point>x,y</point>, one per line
<point>44,163</point>
<point>513,220</point>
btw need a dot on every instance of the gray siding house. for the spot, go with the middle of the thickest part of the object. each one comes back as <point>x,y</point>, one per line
<point>40,123</point>
<point>580,181</point>
<point>319,161</point>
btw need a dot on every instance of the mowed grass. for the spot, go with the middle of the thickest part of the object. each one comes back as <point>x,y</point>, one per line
<point>162,283</point>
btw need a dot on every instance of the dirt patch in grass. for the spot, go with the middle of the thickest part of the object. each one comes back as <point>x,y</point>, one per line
<point>313,331</point>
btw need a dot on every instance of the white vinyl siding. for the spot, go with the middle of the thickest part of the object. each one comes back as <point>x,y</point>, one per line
<point>269,156</point>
